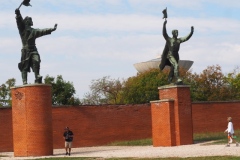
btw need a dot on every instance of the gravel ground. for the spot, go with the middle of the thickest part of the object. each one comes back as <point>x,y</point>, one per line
<point>194,150</point>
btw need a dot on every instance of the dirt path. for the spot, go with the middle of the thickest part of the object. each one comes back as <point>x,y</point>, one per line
<point>194,150</point>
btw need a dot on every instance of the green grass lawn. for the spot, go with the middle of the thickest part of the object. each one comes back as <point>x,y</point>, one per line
<point>213,138</point>
<point>216,138</point>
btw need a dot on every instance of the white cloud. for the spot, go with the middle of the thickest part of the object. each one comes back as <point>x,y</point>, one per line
<point>123,23</point>
<point>163,4</point>
<point>89,45</point>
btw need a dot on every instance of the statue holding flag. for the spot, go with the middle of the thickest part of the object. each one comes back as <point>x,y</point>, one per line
<point>170,54</point>
<point>30,57</point>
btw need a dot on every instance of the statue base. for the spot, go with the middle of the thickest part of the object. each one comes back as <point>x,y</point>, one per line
<point>172,117</point>
<point>32,120</point>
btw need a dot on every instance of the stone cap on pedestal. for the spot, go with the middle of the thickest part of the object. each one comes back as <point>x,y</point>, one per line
<point>173,86</point>
<point>31,85</point>
<point>162,100</point>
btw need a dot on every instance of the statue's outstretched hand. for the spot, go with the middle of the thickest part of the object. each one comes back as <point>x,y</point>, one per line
<point>17,11</point>
<point>55,27</point>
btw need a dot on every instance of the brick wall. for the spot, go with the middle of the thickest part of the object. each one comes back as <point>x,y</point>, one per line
<point>99,125</point>
<point>6,134</point>
<point>212,117</point>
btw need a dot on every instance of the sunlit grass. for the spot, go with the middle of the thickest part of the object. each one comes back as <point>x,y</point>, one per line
<point>216,138</point>
<point>142,142</point>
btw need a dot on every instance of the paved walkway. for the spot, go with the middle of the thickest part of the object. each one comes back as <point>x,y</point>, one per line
<point>194,150</point>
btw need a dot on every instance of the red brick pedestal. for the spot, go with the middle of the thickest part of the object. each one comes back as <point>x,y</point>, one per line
<point>172,117</point>
<point>32,120</point>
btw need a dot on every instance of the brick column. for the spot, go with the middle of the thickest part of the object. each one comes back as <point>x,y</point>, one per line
<point>32,120</point>
<point>163,129</point>
<point>172,116</point>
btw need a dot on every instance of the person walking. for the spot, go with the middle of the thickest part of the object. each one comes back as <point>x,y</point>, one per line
<point>68,136</point>
<point>230,131</point>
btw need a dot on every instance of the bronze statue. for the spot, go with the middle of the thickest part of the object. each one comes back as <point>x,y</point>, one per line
<point>30,57</point>
<point>170,54</point>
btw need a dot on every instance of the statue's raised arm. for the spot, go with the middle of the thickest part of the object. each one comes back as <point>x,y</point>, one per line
<point>164,32</point>
<point>19,20</point>
<point>184,39</point>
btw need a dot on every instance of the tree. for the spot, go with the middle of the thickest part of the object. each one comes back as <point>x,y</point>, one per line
<point>210,85</point>
<point>5,92</point>
<point>143,87</point>
<point>104,91</point>
<point>62,91</point>
<point>138,89</point>
<point>233,80</point>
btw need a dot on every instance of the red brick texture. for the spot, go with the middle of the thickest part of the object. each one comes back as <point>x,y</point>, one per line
<point>97,125</point>
<point>163,124</point>
<point>6,134</point>
<point>101,125</point>
<point>32,120</point>
<point>212,117</point>
<point>181,115</point>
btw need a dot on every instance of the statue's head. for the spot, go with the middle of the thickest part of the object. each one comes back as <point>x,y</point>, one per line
<point>28,21</point>
<point>175,33</point>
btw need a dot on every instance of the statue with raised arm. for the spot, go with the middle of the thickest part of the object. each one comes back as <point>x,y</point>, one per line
<point>30,57</point>
<point>170,54</point>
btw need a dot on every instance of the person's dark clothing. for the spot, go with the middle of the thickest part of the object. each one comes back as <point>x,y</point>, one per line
<point>67,135</point>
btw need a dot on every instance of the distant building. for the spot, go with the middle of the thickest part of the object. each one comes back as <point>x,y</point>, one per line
<point>154,63</point>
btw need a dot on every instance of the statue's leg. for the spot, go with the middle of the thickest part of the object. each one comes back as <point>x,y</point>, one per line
<point>24,77</point>
<point>171,74</point>
<point>24,66</point>
<point>24,72</point>
<point>36,68</point>
<point>176,68</point>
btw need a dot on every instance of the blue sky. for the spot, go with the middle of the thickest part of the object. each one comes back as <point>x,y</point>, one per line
<point>97,38</point>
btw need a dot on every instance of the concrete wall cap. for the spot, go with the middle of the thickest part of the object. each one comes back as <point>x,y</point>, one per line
<point>32,85</point>
<point>174,86</point>
<point>162,100</point>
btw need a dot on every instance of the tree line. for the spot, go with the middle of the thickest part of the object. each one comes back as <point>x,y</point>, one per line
<point>209,85</point>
